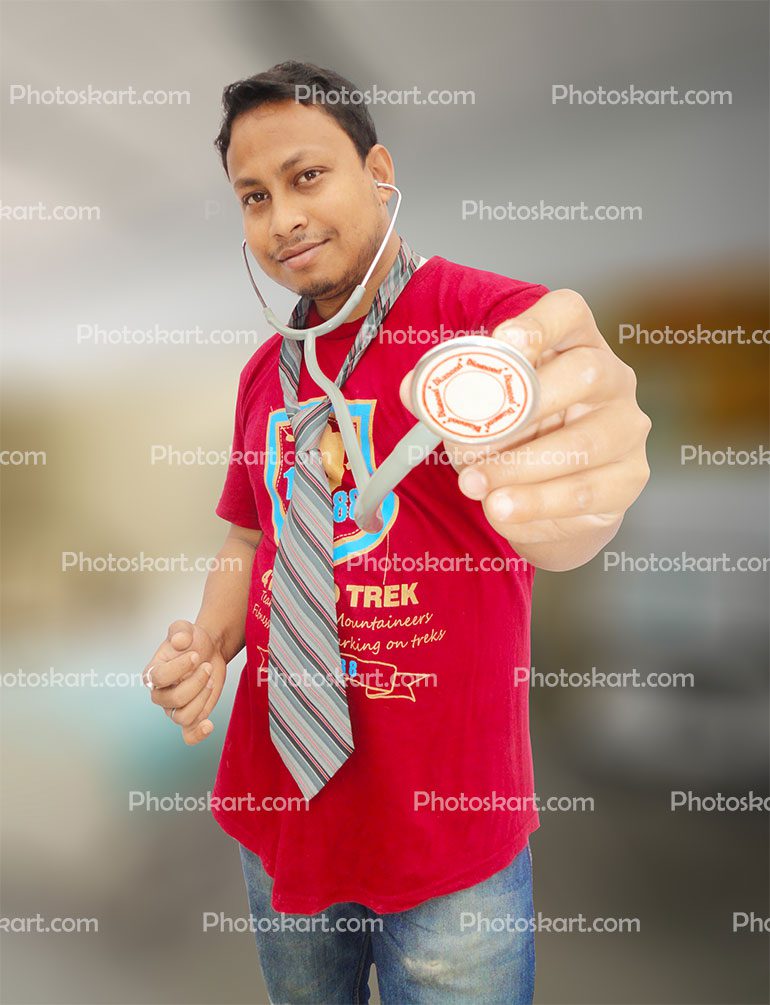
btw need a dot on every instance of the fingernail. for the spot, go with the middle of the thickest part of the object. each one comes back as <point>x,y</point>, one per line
<point>206,727</point>
<point>472,483</point>
<point>194,657</point>
<point>501,506</point>
<point>209,684</point>
<point>207,667</point>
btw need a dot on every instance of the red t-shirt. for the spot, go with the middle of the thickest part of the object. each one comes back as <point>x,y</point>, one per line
<point>435,707</point>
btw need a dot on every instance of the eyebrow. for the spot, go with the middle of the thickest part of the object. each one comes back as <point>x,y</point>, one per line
<point>289,163</point>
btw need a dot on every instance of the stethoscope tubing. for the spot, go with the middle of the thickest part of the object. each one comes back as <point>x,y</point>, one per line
<point>373,487</point>
<point>418,442</point>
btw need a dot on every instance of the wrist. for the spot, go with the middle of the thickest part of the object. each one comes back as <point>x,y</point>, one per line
<point>217,637</point>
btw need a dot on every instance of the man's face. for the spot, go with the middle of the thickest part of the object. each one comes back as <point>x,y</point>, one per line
<point>301,184</point>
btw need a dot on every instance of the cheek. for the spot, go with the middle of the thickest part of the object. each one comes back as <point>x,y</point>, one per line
<point>347,221</point>
<point>348,241</point>
<point>255,226</point>
<point>256,235</point>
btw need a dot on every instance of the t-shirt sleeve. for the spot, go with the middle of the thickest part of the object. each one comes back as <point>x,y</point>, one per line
<point>237,503</point>
<point>509,303</point>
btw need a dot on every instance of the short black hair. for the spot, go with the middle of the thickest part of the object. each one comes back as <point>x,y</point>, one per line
<point>279,83</point>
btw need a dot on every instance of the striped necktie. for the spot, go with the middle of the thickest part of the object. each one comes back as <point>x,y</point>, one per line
<point>308,705</point>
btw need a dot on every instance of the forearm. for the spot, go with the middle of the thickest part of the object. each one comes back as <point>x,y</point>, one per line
<point>226,595</point>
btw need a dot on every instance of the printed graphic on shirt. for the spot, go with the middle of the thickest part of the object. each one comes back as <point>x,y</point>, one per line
<point>349,540</point>
<point>380,680</point>
<point>376,621</point>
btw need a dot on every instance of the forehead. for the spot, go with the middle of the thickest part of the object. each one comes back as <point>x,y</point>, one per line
<point>262,138</point>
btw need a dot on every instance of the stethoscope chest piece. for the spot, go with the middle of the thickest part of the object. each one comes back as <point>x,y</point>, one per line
<point>474,389</point>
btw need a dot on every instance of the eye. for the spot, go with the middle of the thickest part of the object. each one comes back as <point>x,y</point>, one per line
<point>246,200</point>
<point>310,171</point>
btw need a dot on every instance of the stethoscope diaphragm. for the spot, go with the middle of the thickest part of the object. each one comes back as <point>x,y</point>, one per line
<point>474,389</point>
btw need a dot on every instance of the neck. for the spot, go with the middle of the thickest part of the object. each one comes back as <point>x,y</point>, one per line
<point>328,308</point>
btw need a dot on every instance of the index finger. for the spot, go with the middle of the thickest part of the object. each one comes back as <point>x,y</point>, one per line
<point>559,320</point>
<point>166,672</point>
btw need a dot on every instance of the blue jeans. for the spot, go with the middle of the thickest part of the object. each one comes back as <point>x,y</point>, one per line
<point>473,946</point>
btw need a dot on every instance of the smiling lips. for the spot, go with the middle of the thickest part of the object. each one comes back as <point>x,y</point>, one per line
<point>302,256</point>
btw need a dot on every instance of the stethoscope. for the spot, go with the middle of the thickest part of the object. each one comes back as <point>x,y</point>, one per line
<point>472,389</point>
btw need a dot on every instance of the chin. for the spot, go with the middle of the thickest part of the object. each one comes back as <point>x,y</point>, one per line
<point>321,287</point>
<point>318,290</point>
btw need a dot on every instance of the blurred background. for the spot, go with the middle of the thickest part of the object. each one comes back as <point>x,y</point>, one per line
<point>165,252</point>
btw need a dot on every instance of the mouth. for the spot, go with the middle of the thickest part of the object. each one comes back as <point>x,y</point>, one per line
<point>302,256</point>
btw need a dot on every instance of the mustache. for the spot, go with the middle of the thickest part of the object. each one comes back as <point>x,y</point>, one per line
<point>294,244</point>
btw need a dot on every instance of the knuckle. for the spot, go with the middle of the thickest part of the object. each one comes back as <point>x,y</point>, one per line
<point>644,423</point>
<point>572,301</point>
<point>583,495</point>
<point>183,716</point>
<point>589,365</point>
<point>630,378</point>
<point>523,508</point>
<point>567,295</point>
<point>637,481</point>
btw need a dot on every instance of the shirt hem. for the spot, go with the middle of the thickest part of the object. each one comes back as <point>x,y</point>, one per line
<point>240,519</point>
<point>377,903</point>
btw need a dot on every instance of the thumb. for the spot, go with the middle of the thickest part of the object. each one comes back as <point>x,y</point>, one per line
<point>180,634</point>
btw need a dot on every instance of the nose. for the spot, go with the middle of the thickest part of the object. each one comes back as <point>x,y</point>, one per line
<point>286,218</point>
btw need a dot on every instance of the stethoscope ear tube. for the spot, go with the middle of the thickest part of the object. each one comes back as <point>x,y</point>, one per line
<point>301,334</point>
<point>470,389</point>
<point>356,460</point>
<point>410,450</point>
<point>355,298</point>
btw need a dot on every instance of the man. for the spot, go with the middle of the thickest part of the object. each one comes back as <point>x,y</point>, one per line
<point>422,822</point>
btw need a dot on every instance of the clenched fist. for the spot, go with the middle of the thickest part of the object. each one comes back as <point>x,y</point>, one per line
<point>559,489</point>
<point>186,676</point>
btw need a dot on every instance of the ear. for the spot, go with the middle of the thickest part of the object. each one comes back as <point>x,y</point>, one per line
<point>380,164</point>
